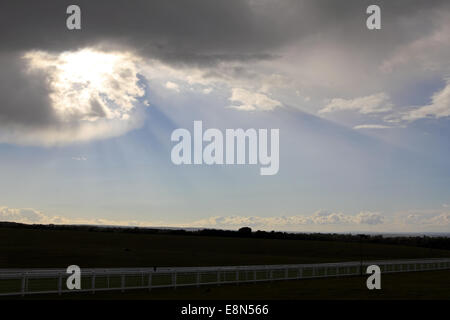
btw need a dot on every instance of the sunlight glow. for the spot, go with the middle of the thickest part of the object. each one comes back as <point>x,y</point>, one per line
<point>88,84</point>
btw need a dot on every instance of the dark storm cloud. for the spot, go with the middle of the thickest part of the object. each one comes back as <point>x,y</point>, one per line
<point>24,97</point>
<point>197,31</point>
<point>174,30</point>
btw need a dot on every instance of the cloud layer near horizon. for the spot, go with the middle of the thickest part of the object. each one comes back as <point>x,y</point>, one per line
<point>376,221</point>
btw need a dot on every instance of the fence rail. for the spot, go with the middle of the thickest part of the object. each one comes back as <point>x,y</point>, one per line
<point>42,281</point>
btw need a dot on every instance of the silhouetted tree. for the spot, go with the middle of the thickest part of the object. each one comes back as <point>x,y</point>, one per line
<point>245,231</point>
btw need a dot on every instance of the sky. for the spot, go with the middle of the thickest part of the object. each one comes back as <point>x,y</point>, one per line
<point>86,116</point>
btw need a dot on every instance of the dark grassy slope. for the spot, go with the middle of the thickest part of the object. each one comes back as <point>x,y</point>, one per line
<point>29,248</point>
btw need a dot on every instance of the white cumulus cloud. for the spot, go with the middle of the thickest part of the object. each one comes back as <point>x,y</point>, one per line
<point>438,108</point>
<point>320,217</point>
<point>376,103</point>
<point>371,126</point>
<point>246,100</point>
<point>172,86</point>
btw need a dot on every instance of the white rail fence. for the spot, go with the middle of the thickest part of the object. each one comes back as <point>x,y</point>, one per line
<point>42,281</point>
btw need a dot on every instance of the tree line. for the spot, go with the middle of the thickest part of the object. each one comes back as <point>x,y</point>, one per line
<point>433,242</point>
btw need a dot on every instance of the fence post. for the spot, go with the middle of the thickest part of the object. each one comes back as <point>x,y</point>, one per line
<point>24,277</point>
<point>150,281</point>
<point>93,283</point>
<point>59,283</point>
<point>286,273</point>
<point>122,284</point>
<point>174,280</point>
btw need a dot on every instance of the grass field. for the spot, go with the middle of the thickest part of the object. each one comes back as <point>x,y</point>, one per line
<point>30,248</point>
<point>413,285</point>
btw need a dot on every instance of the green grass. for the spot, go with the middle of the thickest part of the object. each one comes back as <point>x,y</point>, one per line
<point>411,285</point>
<point>28,248</point>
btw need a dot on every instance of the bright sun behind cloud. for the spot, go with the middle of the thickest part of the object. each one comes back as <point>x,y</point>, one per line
<point>92,94</point>
<point>89,84</point>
